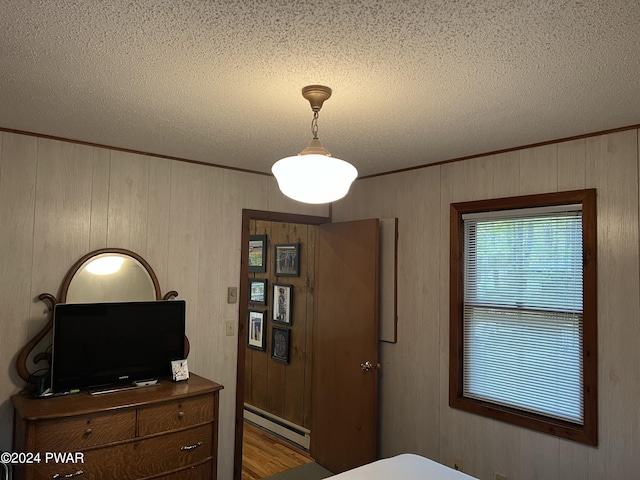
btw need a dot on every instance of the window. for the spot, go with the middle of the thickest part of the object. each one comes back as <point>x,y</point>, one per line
<point>523,312</point>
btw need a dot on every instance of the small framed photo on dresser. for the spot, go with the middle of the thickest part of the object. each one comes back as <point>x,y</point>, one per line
<point>179,370</point>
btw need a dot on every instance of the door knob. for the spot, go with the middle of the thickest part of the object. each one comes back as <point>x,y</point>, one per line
<point>367,366</point>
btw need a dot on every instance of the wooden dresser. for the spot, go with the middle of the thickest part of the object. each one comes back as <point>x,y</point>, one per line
<point>167,431</point>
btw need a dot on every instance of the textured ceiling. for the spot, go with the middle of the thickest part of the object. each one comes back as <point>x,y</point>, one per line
<point>414,82</point>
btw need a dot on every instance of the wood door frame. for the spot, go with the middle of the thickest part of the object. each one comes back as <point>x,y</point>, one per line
<point>243,299</point>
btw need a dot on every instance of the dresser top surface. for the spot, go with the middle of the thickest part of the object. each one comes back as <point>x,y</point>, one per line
<point>84,403</point>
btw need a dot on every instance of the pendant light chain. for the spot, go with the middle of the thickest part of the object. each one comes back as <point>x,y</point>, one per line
<point>314,125</point>
<point>314,176</point>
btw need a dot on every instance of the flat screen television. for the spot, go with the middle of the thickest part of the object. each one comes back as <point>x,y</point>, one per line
<point>107,344</point>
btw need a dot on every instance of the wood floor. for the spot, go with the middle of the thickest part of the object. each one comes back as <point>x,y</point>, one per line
<point>265,455</point>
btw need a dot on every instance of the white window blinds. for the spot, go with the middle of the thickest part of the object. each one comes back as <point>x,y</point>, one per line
<point>523,310</point>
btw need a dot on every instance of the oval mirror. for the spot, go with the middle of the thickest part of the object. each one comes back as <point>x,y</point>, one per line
<point>110,275</point>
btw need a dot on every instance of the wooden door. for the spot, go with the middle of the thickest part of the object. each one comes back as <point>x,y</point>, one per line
<point>345,335</point>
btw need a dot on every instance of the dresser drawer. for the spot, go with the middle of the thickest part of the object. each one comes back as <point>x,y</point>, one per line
<point>177,414</point>
<point>199,472</point>
<point>138,459</point>
<point>77,433</point>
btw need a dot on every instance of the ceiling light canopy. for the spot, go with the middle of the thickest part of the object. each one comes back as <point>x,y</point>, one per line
<point>314,176</point>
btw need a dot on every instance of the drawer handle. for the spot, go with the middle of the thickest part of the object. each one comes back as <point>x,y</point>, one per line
<point>88,431</point>
<point>191,447</point>
<point>180,414</point>
<point>69,475</point>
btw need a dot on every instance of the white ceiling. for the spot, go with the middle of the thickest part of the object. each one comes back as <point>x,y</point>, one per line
<point>414,81</point>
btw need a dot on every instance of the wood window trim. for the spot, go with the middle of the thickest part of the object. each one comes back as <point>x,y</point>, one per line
<point>586,433</point>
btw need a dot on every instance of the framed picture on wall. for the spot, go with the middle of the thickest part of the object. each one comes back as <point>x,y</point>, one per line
<point>280,344</point>
<point>258,291</point>
<point>256,336</point>
<point>287,260</point>
<point>282,302</point>
<point>258,253</point>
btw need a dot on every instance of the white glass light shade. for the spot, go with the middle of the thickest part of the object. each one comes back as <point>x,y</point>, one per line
<point>314,178</point>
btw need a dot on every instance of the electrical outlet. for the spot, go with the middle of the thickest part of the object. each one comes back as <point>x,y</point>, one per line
<point>499,476</point>
<point>230,328</point>
<point>457,464</point>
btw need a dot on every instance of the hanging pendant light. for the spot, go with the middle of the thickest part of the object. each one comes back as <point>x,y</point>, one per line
<point>314,176</point>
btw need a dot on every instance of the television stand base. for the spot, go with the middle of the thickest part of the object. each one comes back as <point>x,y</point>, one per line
<point>146,383</point>
<point>121,388</point>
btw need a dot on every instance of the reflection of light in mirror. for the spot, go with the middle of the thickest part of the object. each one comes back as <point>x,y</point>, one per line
<point>105,265</point>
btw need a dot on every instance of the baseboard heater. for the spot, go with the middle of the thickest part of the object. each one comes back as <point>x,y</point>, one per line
<point>281,427</point>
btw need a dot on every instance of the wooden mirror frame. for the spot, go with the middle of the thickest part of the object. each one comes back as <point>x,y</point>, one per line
<point>21,360</point>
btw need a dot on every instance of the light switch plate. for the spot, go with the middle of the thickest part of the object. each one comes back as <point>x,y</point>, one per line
<point>232,294</point>
<point>230,328</point>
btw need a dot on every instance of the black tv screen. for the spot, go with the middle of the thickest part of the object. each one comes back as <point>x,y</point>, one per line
<point>103,344</point>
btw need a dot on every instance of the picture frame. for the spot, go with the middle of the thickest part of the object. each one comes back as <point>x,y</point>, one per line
<point>282,298</point>
<point>255,331</point>
<point>280,342</point>
<point>257,253</point>
<point>179,370</point>
<point>258,291</point>
<point>287,260</point>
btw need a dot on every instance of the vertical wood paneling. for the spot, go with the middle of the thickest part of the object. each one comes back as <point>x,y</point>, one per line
<point>417,209</point>
<point>294,387</point>
<point>100,198</point>
<point>506,174</point>
<point>615,158</point>
<point>212,293</point>
<point>572,165</point>
<point>446,439</point>
<point>308,331</point>
<point>17,198</point>
<point>539,455</point>
<point>128,201</point>
<point>276,371</point>
<point>62,214</point>
<point>539,170</point>
<point>158,220</point>
<point>184,241</point>
<point>473,180</point>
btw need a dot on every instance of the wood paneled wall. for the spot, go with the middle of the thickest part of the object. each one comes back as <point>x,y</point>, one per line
<point>60,200</point>
<point>285,390</point>
<point>415,416</point>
